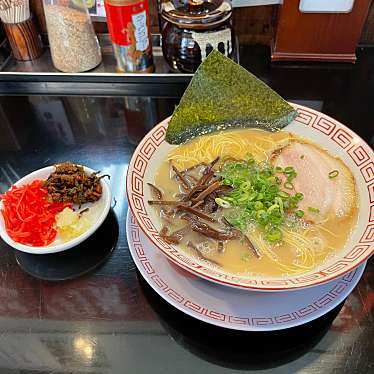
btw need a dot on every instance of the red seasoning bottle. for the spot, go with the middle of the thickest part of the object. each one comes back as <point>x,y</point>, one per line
<point>129,28</point>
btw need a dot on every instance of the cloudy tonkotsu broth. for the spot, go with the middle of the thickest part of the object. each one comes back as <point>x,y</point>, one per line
<point>306,242</point>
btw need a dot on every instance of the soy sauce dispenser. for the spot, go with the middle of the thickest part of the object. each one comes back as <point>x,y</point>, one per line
<point>192,29</point>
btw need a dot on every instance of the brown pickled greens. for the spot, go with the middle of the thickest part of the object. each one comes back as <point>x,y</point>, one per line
<point>70,183</point>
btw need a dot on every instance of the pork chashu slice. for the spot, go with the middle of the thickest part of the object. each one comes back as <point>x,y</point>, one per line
<point>333,197</point>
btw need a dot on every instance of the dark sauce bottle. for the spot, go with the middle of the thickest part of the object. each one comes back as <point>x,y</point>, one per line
<point>191,30</point>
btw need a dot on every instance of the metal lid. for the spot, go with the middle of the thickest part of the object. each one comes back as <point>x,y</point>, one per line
<point>197,14</point>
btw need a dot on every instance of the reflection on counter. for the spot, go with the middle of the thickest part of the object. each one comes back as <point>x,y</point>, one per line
<point>63,119</point>
<point>59,123</point>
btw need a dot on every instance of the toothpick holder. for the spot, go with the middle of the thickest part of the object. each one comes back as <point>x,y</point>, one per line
<point>24,40</point>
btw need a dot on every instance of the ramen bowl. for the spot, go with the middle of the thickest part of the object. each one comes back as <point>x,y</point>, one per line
<point>320,129</point>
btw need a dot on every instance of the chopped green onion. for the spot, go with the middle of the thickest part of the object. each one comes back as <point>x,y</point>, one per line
<point>260,196</point>
<point>333,174</point>
<point>313,210</point>
<point>299,213</point>
<point>272,179</point>
<point>283,194</point>
<point>299,196</point>
<point>279,201</point>
<point>260,214</point>
<point>275,206</point>
<point>229,199</point>
<point>222,203</point>
<point>289,170</point>
<point>257,196</point>
<point>252,196</point>
<point>274,235</point>
<point>288,185</point>
<point>244,197</point>
<point>245,186</point>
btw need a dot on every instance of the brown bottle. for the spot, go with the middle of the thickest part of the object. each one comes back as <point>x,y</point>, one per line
<point>192,30</point>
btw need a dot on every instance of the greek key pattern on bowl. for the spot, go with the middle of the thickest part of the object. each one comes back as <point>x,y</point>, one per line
<point>323,125</point>
<point>231,320</point>
<point>307,117</point>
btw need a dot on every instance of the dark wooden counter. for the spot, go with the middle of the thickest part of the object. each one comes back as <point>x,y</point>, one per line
<point>111,322</point>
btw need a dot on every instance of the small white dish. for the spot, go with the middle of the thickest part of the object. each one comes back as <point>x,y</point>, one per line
<point>102,207</point>
<point>231,308</point>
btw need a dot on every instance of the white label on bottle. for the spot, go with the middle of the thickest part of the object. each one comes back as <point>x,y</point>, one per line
<point>141,34</point>
<point>208,41</point>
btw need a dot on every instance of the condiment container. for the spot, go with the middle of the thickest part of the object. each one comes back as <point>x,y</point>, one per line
<point>72,39</point>
<point>129,28</point>
<point>191,30</point>
<point>24,40</point>
<point>19,27</point>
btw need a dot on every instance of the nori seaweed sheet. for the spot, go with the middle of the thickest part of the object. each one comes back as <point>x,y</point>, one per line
<point>222,95</point>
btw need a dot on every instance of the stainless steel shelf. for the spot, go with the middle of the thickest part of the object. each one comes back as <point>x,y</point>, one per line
<point>44,65</point>
<point>40,76</point>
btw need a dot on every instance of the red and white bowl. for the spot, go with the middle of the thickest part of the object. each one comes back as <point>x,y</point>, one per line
<point>319,128</point>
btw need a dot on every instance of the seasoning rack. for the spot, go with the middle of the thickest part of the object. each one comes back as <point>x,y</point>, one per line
<point>40,76</point>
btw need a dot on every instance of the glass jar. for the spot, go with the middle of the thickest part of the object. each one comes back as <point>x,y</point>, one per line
<point>72,39</point>
<point>192,30</point>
